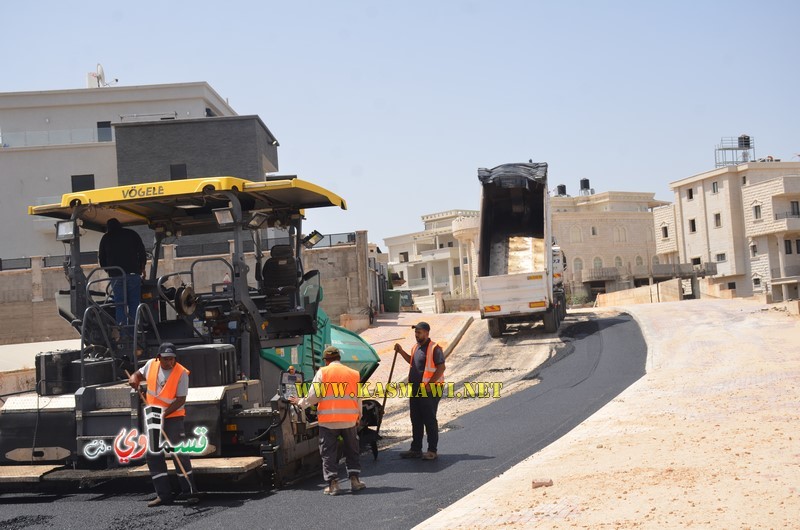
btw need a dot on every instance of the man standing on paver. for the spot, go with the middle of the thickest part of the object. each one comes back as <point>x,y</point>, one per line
<point>426,368</point>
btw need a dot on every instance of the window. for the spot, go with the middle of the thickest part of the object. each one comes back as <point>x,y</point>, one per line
<point>456,271</point>
<point>731,285</point>
<point>795,208</point>
<point>577,264</point>
<point>597,263</point>
<point>403,257</point>
<point>441,245</point>
<point>754,250</point>
<point>618,261</point>
<point>797,245</point>
<point>689,194</point>
<point>104,131</point>
<point>423,273</point>
<point>177,172</point>
<point>82,183</point>
<point>717,220</point>
<point>692,226</point>
<point>696,262</point>
<point>714,187</point>
<point>756,282</point>
<point>466,260</point>
<point>744,179</point>
<point>721,257</point>
<point>665,232</point>
<point>757,211</point>
<point>620,234</point>
<point>639,261</point>
<point>787,246</point>
<point>449,244</point>
<point>594,230</point>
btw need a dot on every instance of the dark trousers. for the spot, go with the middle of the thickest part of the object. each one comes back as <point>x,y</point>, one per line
<point>127,292</point>
<point>329,451</point>
<point>157,464</point>
<point>423,419</point>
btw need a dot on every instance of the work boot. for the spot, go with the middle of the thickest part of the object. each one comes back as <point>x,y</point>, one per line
<point>411,454</point>
<point>332,488</point>
<point>430,455</point>
<point>158,501</point>
<point>356,484</point>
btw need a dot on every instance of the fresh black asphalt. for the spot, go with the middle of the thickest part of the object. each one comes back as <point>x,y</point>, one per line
<point>604,357</point>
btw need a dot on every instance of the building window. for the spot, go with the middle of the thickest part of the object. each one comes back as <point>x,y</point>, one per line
<point>466,260</point>
<point>757,211</point>
<point>756,282</point>
<point>665,232</point>
<point>744,179</point>
<point>450,244</point>
<point>795,205</point>
<point>717,220</point>
<point>598,263</point>
<point>797,245</point>
<point>620,234</point>
<point>721,257</point>
<point>456,271</point>
<point>423,273</point>
<point>104,131</point>
<point>696,262</point>
<point>787,246</point>
<point>594,230</point>
<point>403,257</point>
<point>82,183</point>
<point>441,245</point>
<point>731,285</point>
<point>618,261</point>
<point>177,172</point>
<point>692,226</point>
<point>689,194</point>
<point>639,261</point>
<point>714,187</point>
<point>577,264</point>
<point>754,250</point>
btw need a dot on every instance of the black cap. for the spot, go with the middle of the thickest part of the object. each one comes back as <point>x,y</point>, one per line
<point>167,349</point>
<point>422,325</point>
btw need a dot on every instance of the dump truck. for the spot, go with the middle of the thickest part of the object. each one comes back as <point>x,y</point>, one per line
<point>520,271</point>
<point>247,324</point>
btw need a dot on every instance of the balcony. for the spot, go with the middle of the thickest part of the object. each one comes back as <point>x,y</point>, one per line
<point>790,270</point>
<point>439,254</point>
<point>601,274</point>
<point>56,137</point>
<point>418,283</point>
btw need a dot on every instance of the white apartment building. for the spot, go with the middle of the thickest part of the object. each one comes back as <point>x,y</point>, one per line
<point>58,141</point>
<point>607,238</point>
<point>439,258</point>
<point>746,219</point>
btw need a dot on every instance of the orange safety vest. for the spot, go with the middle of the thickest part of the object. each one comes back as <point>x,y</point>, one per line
<point>167,395</point>
<point>430,367</point>
<point>343,408</point>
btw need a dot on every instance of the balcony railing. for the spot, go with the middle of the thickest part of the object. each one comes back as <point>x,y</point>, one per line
<point>417,282</point>
<point>789,270</point>
<point>439,254</point>
<point>787,215</point>
<point>56,137</point>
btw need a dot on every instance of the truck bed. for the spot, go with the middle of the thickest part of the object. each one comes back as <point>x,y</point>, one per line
<point>514,255</point>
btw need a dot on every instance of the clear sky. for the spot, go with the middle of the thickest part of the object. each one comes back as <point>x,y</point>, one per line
<point>394,105</point>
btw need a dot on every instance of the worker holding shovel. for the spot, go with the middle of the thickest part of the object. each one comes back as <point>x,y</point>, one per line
<point>167,387</point>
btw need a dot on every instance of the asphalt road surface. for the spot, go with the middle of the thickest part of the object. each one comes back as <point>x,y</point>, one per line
<point>604,357</point>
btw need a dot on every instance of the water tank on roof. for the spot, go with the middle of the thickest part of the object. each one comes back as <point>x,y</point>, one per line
<point>561,190</point>
<point>585,184</point>
<point>744,142</point>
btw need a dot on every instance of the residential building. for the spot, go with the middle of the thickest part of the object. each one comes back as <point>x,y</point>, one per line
<point>745,218</point>
<point>607,239</point>
<point>434,259</point>
<point>58,141</point>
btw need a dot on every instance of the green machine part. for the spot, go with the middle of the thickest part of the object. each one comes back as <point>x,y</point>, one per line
<point>307,357</point>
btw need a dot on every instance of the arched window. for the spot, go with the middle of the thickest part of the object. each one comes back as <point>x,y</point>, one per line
<point>620,234</point>
<point>639,261</point>
<point>618,261</point>
<point>577,264</point>
<point>575,234</point>
<point>598,263</point>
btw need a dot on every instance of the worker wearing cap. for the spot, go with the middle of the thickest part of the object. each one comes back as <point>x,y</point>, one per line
<point>426,368</point>
<point>167,387</point>
<point>338,412</point>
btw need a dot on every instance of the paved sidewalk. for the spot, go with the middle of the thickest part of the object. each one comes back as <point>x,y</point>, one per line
<point>389,328</point>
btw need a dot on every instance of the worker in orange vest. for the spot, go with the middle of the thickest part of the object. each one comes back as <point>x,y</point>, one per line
<point>426,368</point>
<point>338,412</point>
<point>167,387</point>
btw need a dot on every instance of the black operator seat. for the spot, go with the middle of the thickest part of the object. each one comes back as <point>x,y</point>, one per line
<point>279,275</point>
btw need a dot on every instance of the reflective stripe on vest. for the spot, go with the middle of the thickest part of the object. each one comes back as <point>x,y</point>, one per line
<point>339,409</point>
<point>430,367</point>
<point>167,395</point>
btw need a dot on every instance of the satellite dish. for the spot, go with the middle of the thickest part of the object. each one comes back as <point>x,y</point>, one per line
<point>101,76</point>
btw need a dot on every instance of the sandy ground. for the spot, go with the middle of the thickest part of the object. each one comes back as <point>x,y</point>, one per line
<point>709,438</point>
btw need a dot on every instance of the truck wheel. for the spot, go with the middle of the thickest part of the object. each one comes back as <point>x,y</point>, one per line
<point>550,320</point>
<point>562,305</point>
<point>495,328</point>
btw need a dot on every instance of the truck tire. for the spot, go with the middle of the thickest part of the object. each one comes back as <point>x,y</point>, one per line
<point>495,327</point>
<point>550,320</point>
<point>562,306</point>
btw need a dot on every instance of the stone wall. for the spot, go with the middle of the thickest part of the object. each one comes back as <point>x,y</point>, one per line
<point>668,291</point>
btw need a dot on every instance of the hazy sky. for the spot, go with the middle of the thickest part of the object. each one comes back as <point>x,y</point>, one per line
<point>394,105</point>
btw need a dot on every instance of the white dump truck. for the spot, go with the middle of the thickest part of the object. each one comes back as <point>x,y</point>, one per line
<point>520,271</point>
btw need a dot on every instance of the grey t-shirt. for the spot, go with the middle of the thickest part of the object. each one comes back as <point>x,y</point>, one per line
<point>417,366</point>
<point>163,375</point>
